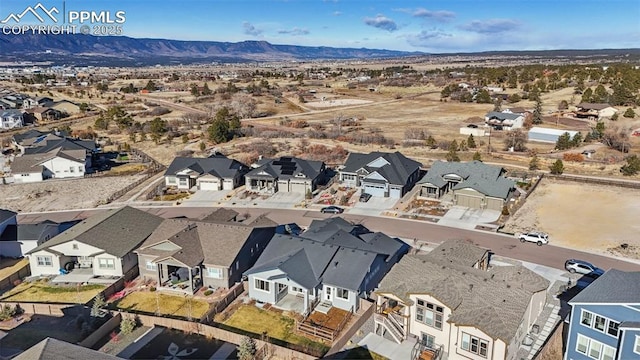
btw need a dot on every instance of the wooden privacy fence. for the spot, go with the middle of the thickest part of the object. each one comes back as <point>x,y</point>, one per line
<point>322,332</point>
<point>21,273</point>
<point>222,304</point>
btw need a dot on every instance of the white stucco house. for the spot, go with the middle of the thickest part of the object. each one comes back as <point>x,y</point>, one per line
<point>103,243</point>
<point>58,163</point>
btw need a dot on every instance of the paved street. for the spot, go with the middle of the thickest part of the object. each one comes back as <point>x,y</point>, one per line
<point>503,245</point>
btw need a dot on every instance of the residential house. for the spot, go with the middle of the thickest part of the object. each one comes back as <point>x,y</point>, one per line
<point>34,138</point>
<point>65,107</point>
<point>380,174</point>
<point>595,111</point>
<point>51,348</point>
<point>39,114</point>
<point>285,174</point>
<point>457,305</point>
<point>216,172</point>
<point>103,243</point>
<point>604,323</point>
<point>474,184</point>
<point>57,163</point>
<point>504,120</point>
<point>38,101</point>
<point>18,239</point>
<point>187,254</point>
<point>333,262</point>
<point>11,119</point>
<point>7,219</point>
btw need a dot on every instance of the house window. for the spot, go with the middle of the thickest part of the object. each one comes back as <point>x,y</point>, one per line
<point>75,246</point>
<point>151,265</point>
<point>599,323</point>
<point>428,340</point>
<point>44,261</point>
<point>237,265</point>
<point>429,314</point>
<point>474,345</point>
<point>182,181</point>
<point>595,349</point>
<point>296,289</point>
<point>171,180</point>
<point>612,329</point>
<point>587,317</point>
<point>81,168</point>
<point>608,353</point>
<point>636,346</point>
<point>72,169</point>
<point>214,273</point>
<point>107,264</point>
<point>342,293</point>
<point>261,285</point>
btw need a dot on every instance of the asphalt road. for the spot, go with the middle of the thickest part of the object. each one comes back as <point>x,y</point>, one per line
<point>499,244</point>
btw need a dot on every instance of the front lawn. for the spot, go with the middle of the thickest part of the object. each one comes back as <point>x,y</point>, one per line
<point>42,291</point>
<point>155,302</point>
<point>258,321</point>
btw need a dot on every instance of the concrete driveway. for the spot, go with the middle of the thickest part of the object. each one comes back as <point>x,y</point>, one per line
<point>279,200</point>
<point>468,218</point>
<point>206,198</point>
<point>374,206</point>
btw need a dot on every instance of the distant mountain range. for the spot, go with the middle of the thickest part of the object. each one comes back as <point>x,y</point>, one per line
<point>126,49</point>
<point>85,50</point>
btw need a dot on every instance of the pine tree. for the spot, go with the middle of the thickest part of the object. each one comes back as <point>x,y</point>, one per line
<point>557,168</point>
<point>537,112</point>
<point>534,164</point>
<point>471,142</point>
<point>477,156</point>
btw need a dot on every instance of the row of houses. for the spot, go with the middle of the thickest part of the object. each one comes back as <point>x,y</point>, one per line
<point>379,174</point>
<point>448,297</point>
<point>17,110</point>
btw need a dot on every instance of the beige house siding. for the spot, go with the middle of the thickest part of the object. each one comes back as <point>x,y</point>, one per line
<point>442,337</point>
<point>115,271</point>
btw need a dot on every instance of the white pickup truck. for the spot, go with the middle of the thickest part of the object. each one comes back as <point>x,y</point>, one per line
<point>535,237</point>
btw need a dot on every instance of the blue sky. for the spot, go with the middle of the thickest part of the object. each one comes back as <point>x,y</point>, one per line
<point>428,26</point>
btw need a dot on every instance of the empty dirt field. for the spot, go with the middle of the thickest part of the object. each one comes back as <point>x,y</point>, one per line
<point>594,218</point>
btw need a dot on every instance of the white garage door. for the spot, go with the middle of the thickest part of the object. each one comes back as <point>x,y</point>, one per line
<point>374,190</point>
<point>395,193</point>
<point>227,185</point>
<point>298,187</point>
<point>209,185</point>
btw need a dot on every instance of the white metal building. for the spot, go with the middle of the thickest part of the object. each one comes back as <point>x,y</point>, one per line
<point>541,134</point>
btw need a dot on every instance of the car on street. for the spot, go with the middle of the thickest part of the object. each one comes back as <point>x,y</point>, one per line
<point>583,267</point>
<point>537,237</point>
<point>332,210</point>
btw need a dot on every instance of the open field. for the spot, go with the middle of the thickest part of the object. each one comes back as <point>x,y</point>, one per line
<point>580,216</point>
<point>61,194</point>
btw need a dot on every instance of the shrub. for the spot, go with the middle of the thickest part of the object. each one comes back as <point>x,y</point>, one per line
<point>152,289</point>
<point>557,168</point>
<point>127,326</point>
<point>247,348</point>
<point>575,157</point>
<point>208,292</point>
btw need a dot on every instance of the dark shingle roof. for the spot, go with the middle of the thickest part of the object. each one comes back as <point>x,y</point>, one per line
<point>218,166</point>
<point>502,116</point>
<point>477,175</point>
<point>63,144</point>
<point>194,241</point>
<point>116,231</point>
<point>396,172</point>
<point>6,215</point>
<point>288,167</point>
<point>53,349</point>
<point>593,106</point>
<point>332,251</point>
<point>26,231</point>
<point>614,286</point>
<point>493,301</point>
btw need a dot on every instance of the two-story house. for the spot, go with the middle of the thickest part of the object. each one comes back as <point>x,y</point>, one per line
<point>457,306</point>
<point>605,319</point>
<point>11,119</point>
<point>595,111</point>
<point>504,120</point>
<point>333,262</point>
<point>380,174</point>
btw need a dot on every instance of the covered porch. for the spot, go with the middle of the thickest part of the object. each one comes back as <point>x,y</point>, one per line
<point>292,297</point>
<point>263,184</point>
<point>179,277</point>
<point>187,179</point>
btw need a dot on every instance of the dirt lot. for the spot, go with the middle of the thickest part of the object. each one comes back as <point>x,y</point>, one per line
<point>589,217</point>
<point>61,194</point>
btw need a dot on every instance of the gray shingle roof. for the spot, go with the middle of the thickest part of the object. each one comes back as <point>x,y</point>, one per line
<point>502,116</point>
<point>218,166</point>
<point>459,252</point>
<point>26,231</point>
<point>6,215</point>
<point>116,231</point>
<point>593,106</point>
<point>311,169</point>
<point>327,252</point>
<point>53,349</point>
<point>477,175</point>
<point>397,172</point>
<point>614,286</point>
<point>208,242</point>
<point>493,301</point>
<point>64,144</point>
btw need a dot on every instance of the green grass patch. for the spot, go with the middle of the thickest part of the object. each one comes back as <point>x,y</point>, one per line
<point>155,302</point>
<point>42,291</point>
<point>258,321</point>
<point>362,353</point>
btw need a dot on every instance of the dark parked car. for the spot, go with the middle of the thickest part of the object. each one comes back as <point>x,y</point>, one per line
<point>332,210</point>
<point>364,197</point>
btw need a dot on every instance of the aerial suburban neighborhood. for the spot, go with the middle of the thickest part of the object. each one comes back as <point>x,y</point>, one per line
<point>377,193</point>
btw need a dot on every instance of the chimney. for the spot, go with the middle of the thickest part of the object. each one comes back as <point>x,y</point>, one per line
<point>470,287</point>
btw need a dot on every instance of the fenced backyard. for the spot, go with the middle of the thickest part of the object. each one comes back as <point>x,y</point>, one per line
<point>325,327</point>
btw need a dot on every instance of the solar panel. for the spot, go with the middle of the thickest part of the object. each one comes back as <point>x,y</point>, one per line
<point>287,172</point>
